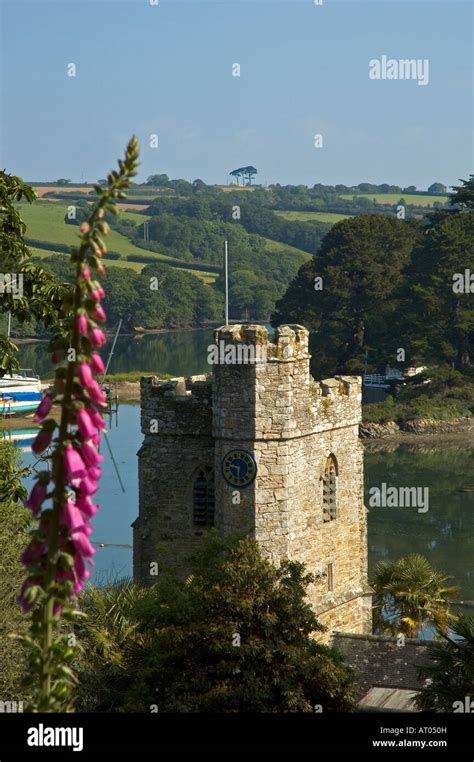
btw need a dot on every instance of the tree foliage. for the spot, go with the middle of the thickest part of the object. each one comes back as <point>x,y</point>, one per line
<point>410,594</point>
<point>41,294</point>
<point>360,265</point>
<point>449,678</point>
<point>235,636</point>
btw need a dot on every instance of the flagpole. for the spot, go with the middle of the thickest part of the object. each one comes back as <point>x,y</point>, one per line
<point>226,278</point>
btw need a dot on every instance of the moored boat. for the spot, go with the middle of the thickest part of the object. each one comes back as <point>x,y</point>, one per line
<point>20,392</point>
<point>21,438</point>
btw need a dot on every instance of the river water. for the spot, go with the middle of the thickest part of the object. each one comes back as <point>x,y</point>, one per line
<point>444,533</point>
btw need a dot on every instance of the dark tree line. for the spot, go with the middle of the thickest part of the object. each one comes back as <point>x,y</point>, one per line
<point>387,285</point>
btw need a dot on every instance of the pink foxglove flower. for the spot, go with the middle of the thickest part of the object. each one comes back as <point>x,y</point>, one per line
<point>42,441</point>
<point>43,408</point>
<point>71,516</point>
<point>85,424</point>
<point>60,550</point>
<point>82,544</point>
<point>85,504</point>
<point>95,393</point>
<point>33,552</point>
<point>97,363</point>
<point>88,486</point>
<point>82,325</point>
<point>85,374</point>
<point>36,498</point>
<point>99,314</point>
<point>73,464</point>
<point>95,472</point>
<point>90,456</point>
<point>97,337</point>
<point>96,418</point>
<point>95,295</point>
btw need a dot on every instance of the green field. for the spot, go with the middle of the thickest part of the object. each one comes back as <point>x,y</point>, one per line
<point>313,216</point>
<point>134,217</point>
<point>394,198</point>
<point>206,277</point>
<point>45,222</point>
<point>276,247</point>
<point>136,266</point>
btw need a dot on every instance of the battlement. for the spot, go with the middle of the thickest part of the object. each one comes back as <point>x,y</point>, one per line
<point>179,387</point>
<point>350,386</point>
<point>262,390</point>
<point>176,406</point>
<point>291,343</point>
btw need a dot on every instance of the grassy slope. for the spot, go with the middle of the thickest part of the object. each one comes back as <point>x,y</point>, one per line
<point>312,216</point>
<point>139,219</point>
<point>45,222</point>
<point>276,247</point>
<point>393,198</point>
<point>136,266</point>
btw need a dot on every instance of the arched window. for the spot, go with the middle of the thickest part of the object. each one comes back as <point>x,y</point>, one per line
<point>329,489</point>
<point>203,497</point>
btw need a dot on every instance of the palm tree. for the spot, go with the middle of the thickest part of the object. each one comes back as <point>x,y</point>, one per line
<point>409,594</point>
<point>111,642</point>
<point>450,676</point>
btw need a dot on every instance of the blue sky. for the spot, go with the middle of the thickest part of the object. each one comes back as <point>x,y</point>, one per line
<point>167,69</point>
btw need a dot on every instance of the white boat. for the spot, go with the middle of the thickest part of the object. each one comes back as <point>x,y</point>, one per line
<point>21,377</point>
<point>20,392</point>
<point>21,438</point>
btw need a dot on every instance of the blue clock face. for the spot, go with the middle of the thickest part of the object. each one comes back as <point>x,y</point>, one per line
<point>239,468</point>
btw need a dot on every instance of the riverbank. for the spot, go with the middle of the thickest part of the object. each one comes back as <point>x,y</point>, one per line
<point>416,429</point>
<point>134,334</point>
<point>372,435</point>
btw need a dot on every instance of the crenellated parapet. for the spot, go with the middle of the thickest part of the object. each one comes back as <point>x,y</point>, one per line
<point>178,406</point>
<point>263,389</point>
<point>258,388</point>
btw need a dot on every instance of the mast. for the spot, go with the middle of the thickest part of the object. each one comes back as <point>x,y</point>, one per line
<point>226,279</point>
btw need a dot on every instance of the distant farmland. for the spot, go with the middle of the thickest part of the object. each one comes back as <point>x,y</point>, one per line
<point>394,198</point>
<point>312,216</point>
<point>45,223</point>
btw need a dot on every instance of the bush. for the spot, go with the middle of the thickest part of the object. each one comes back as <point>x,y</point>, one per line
<point>14,524</point>
<point>437,393</point>
<point>235,636</point>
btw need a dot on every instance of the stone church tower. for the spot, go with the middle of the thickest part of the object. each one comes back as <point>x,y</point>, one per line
<point>260,447</point>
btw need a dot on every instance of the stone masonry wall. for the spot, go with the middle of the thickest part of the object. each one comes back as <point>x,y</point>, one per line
<point>167,462</point>
<point>291,424</point>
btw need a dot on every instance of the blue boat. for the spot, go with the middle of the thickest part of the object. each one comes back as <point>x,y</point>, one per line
<point>20,393</point>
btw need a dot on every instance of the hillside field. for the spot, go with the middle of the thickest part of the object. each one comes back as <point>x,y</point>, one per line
<point>312,216</point>
<point>45,222</point>
<point>394,198</point>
